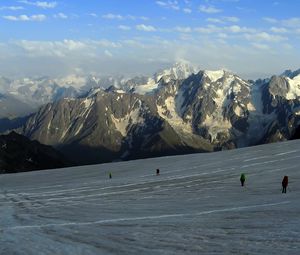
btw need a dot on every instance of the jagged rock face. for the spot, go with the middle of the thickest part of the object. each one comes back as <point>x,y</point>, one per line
<point>281,99</point>
<point>19,154</point>
<point>212,105</point>
<point>111,124</point>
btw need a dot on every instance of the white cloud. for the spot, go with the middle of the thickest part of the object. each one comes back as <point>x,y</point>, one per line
<point>231,19</point>
<point>222,20</point>
<point>143,27</point>
<point>235,29</point>
<point>169,4</point>
<point>161,3</point>
<point>94,15</point>
<point>292,22</point>
<point>150,53</point>
<point>264,36</point>
<point>210,29</point>
<point>261,46</point>
<point>238,29</point>
<point>223,35</point>
<point>279,30</point>
<point>106,43</point>
<point>60,16</point>
<point>209,9</point>
<point>124,28</point>
<point>214,20</point>
<point>50,48</point>
<point>64,47</point>
<point>187,10</point>
<point>38,17</point>
<point>227,1</point>
<point>270,20</point>
<point>183,29</point>
<point>108,53</point>
<point>41,4</point>
<point>12,8</point>
<point>112,16</point>
<point>121,17</point>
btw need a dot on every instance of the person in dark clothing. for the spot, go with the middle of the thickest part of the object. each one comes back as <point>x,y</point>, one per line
<point>243,179</point>
<point>285,183</point>
<point>110,175</point>
<point>157,171</point>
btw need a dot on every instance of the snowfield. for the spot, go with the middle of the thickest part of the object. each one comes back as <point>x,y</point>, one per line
<point>196,206</point>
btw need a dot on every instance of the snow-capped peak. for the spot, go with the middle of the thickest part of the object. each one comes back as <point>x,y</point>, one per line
<point>215,75</point>
<point>180,70</point>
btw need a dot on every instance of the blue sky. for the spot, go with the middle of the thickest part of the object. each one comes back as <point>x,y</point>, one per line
<point>251,38</point>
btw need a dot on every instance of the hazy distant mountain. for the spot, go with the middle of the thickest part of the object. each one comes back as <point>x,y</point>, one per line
<point>291,74</point>
<point>26,95</point>
<point>11,107</point>
<point>36,92</point>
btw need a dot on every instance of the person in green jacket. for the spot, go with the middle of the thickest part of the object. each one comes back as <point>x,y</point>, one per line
<point>243,179</point>
<point>110,175</point>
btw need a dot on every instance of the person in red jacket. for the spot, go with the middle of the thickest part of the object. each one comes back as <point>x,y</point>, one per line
<point>285,183</point>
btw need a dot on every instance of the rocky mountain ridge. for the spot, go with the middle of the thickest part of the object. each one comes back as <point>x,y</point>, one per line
<point>178,112</point>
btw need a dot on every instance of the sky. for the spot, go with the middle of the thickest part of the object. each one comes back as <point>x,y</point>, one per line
<point>252,38</point>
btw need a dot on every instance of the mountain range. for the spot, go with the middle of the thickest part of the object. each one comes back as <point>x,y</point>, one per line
<point>176,111</point>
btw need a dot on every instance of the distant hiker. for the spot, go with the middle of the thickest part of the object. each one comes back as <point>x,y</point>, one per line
<point>157,171</point>
<point>110,175</point>
<point>285,183</point>
<point>243,179</point>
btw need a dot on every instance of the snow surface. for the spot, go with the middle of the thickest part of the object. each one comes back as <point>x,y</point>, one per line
<point>196,206</point>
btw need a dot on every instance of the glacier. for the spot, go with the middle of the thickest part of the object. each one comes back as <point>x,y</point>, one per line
<point>195,206</point>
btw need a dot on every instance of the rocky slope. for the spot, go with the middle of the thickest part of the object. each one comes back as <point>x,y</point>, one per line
<point>19,154</point>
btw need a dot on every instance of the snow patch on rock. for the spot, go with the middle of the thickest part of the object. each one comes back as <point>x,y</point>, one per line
<point>122,124</point>
<point>214,75</point>
<point>216,123</point>
<point>169,113</point>
<point>146,88</point>
<point>294,90</point>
